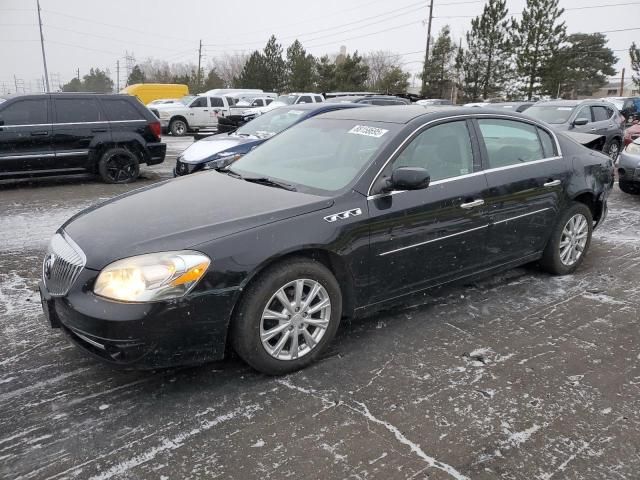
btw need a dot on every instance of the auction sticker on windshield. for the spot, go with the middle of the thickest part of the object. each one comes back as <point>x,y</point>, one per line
<point>368,131</point>
<point>296,112</point>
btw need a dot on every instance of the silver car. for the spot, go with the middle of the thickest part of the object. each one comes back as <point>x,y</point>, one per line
<point>629,168</point>
<point>583,116</point>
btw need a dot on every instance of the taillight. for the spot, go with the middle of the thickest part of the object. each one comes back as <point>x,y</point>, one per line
<point>156,129</point>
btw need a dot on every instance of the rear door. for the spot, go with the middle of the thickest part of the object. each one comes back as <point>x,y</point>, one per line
<point>602,123</point>
<point>25,135</point>
<point>426,237</point>
<point>526,178</point>
<point>76,122</point>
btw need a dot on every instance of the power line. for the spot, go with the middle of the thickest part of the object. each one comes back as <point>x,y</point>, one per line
<point>565,9</point>
<point>365,35</point>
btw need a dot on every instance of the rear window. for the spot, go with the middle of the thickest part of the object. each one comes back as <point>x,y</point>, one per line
<point>77,110</point>
<point>119,109</point>
<point>25,112</point>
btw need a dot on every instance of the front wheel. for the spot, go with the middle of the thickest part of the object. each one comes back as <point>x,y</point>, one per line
<point>631,188</point>
<point>287,316</point>
<point>178,128</point>
<point>569,241</point>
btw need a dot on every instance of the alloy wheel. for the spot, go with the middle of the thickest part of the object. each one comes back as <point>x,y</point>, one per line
<point>295,319</point>
<point>614,150</point>
<point>120,167</point>
<point>574,239</point>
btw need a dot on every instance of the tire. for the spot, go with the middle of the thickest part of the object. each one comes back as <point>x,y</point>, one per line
<point>119,165</point>
<point>613,149</point>
<point>178,128</point>
<point>248,325</point>
<point>631,188</point>
<point>556,250</point>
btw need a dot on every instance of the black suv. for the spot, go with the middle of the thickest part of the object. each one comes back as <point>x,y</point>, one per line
<point>53,134</point>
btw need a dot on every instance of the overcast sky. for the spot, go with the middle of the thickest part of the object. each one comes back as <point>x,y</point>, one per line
<point>87,33</point>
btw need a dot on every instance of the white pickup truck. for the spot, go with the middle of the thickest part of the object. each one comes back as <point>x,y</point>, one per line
<point>199,112</point>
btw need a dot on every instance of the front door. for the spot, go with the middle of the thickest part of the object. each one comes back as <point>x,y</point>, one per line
<point>76,122</point>
<point>198,113</point>
<point>527,179</point>
<point>425,237</point>
<point>25,135</point>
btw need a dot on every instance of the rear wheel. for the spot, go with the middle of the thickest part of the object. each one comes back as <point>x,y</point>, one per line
<point>287,316</point>
<point>178,128</point>
<point>632,188</point>
<point>119,165</point>
<point>569,241</point>
<point>613,149</point>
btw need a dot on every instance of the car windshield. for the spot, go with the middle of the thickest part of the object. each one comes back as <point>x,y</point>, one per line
<point>553,114</point>
<point>286,99</point>
<point>270,123</point>
<point>616,101</point>
<point>322,154</point>
<point>187,99</point>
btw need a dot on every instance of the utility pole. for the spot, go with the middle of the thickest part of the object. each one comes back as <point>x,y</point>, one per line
<point>15,82</point>
<point>199,63</point>
<point>44,57</point>
<point>78,74</point>
<point>426,52</point>
<point>117,76</point>
<point>622,83</point>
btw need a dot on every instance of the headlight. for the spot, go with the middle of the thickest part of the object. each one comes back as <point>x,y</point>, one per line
<point>152,277</point>
<point>221,161</point>
<point>633,148</point>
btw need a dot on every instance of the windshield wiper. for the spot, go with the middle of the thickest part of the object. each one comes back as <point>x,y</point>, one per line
<point>270,182</point>
<point>232,173</point>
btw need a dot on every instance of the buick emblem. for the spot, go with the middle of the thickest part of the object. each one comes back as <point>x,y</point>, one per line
<point>48,265</point>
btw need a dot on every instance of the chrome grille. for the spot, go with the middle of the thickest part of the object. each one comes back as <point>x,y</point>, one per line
<point>62,265</point>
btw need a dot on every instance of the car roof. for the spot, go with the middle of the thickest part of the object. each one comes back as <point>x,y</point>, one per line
<point>319,107</point>
<point>400,113</point>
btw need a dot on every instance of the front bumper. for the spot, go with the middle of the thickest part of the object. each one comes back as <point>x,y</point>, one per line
<point>184,331</point>
<point>184,168</point>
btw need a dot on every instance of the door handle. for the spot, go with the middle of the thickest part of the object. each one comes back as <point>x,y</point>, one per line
<point>98,130</point>
<point>475,203</point>
<point>205,110</point>
<point>42,133</point>
<point>593,129</point>
<point>552,183</point>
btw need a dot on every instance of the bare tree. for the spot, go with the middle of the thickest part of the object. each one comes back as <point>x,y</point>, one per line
<point>229,66</point>
<point>380,63</point>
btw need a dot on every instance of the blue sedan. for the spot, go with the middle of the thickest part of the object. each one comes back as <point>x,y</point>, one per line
<point>218,151</point>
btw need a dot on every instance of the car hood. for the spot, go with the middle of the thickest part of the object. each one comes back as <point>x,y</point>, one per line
<point>207,148</point>
<point>181,214</point>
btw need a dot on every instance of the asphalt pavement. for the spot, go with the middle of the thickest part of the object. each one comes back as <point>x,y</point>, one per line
<point>518,376</point>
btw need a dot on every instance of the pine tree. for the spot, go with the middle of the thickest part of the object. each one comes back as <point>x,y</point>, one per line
<point>579,67</point>
<point>254,72</point>
<point>274,66</point>
<point>491,32</point>
<point>136,76</point>
<point>395,80</point>
<point>634,53</point>
<point>536,39</point>
<point>212,81</point>
<point>300,68</point>
<point>438,71</point>
<point>351,73</point>
<point>325,75</point>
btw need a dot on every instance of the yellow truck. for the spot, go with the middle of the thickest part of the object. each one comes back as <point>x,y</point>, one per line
<point>148,92</point>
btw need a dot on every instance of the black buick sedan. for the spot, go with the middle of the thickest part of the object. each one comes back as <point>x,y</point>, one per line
<point>333,217</point>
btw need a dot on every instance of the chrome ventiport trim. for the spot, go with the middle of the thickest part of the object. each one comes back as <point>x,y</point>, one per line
<point>432,240</point>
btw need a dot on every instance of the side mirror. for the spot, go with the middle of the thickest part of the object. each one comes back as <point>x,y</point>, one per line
<point>578,122</point>
<point>408,178</point>
<point>1,121</point>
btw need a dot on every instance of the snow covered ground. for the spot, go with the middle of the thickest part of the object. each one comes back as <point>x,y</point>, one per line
<point>518,376</point>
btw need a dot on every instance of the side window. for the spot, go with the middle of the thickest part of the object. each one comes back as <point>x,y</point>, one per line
<point>25,112</point>
<point>510,142</point>
<point>120,109</point>
<point>585,112</point>
<point>600,113</point>
<point>305,99</point>
<point>318,98</point>
<point>217,102</point>
<point>258,103</point>
<point>443,150</point>
<point>269,100</point>
<point>199,102</point>
<point>230,101</point>
<point>77,110</point>
<point>548,145</point>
